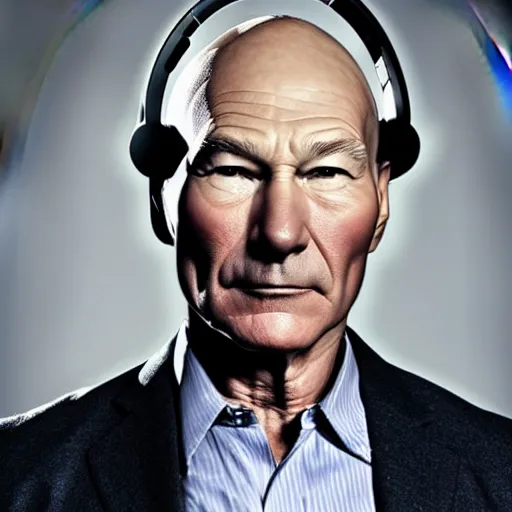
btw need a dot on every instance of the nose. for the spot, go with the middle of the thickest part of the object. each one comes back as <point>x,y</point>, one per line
<point>280,228</point>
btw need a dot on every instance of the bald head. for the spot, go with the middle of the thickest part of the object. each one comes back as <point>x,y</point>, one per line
<point>293,61</point>
<point>286,52</point>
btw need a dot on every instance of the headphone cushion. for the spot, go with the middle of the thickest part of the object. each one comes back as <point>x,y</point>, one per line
<point>157,150</point>
<point>399,144</point>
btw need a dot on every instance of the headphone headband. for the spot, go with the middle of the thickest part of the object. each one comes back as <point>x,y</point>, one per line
<point>355,13</point>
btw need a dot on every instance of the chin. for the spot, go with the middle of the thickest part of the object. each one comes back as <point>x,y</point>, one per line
<point>275,331</point>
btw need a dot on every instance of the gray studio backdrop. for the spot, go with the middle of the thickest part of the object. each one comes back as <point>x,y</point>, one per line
<point>86,291</point>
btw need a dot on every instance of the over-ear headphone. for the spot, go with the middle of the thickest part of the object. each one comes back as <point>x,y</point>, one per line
<point>157,150</point>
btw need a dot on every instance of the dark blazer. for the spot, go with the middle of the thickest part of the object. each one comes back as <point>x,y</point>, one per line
<point>116,447</point>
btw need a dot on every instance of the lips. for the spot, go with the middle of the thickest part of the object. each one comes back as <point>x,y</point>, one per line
<point>247,284</point>
<point>266,279</point>
<point>272,289</point>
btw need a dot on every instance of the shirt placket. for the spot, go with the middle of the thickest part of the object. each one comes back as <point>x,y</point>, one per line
<point>277,497</point>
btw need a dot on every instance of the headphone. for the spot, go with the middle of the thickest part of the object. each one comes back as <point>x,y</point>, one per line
<point>157,150</point>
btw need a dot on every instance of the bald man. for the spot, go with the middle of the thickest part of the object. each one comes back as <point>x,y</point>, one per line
<point>277,404</point>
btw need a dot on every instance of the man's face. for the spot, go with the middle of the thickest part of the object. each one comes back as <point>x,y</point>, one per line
<point>284,202</point>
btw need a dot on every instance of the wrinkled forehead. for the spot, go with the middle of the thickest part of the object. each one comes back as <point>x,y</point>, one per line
<point>288,58</point>
<point>186,103</point>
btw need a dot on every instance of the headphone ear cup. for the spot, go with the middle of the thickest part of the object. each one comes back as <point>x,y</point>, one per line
<point>157,150</point>
<point>399,144</point>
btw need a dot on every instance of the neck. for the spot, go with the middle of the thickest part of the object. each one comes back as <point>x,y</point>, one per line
<point>275,385</point>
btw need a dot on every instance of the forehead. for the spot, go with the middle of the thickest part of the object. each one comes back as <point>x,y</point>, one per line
<point>287,118</point>
<point>291,85</point>
<point>280,123</point>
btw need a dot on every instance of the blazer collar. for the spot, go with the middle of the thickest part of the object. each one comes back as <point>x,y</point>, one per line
<point>412,468</point>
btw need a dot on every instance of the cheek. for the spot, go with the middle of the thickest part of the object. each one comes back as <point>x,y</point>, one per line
<point>345,241</point>
<point>207,234</point>
<point>356,232</point>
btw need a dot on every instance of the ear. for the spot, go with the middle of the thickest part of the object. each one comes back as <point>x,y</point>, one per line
<point>162,227</point>
<point>383,199</point>
<point>169,193</point>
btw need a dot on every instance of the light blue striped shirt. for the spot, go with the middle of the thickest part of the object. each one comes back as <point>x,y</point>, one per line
<point>231,468</point>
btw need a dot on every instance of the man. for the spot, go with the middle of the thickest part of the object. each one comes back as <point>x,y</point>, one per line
<point>279,405</point>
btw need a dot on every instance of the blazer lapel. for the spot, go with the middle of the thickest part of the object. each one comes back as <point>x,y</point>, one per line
<point>136,466</point>
<point>412,469</point>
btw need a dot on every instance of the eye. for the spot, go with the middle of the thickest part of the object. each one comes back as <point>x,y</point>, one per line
<point>325,172</point>
<point>232,171</point>
<point>326,179</point>
<point>230,181</point>
<point>206,169</point>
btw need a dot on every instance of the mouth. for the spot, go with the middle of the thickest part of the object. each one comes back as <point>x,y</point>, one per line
<point>274,291</point>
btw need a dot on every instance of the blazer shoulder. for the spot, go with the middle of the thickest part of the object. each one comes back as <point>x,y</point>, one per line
<point>45,449</point>
<point>54,422</point>
<point>470,429</point>
<point>401,390</point>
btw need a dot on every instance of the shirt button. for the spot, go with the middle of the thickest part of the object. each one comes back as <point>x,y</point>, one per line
<point>307,419</point>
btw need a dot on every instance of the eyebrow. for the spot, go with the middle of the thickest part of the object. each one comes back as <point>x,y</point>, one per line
<point>308,150</point>
<point>353,148</point>
<point>242,148</point>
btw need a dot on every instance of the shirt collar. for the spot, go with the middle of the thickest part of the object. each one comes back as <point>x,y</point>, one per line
<point>344,408</point>
<point>201,403</point>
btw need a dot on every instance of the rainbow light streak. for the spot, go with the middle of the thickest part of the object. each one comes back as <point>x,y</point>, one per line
<point>499,59</point>
<point>70,14</point>
<point>506,55</point>
<point>84,7</point>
